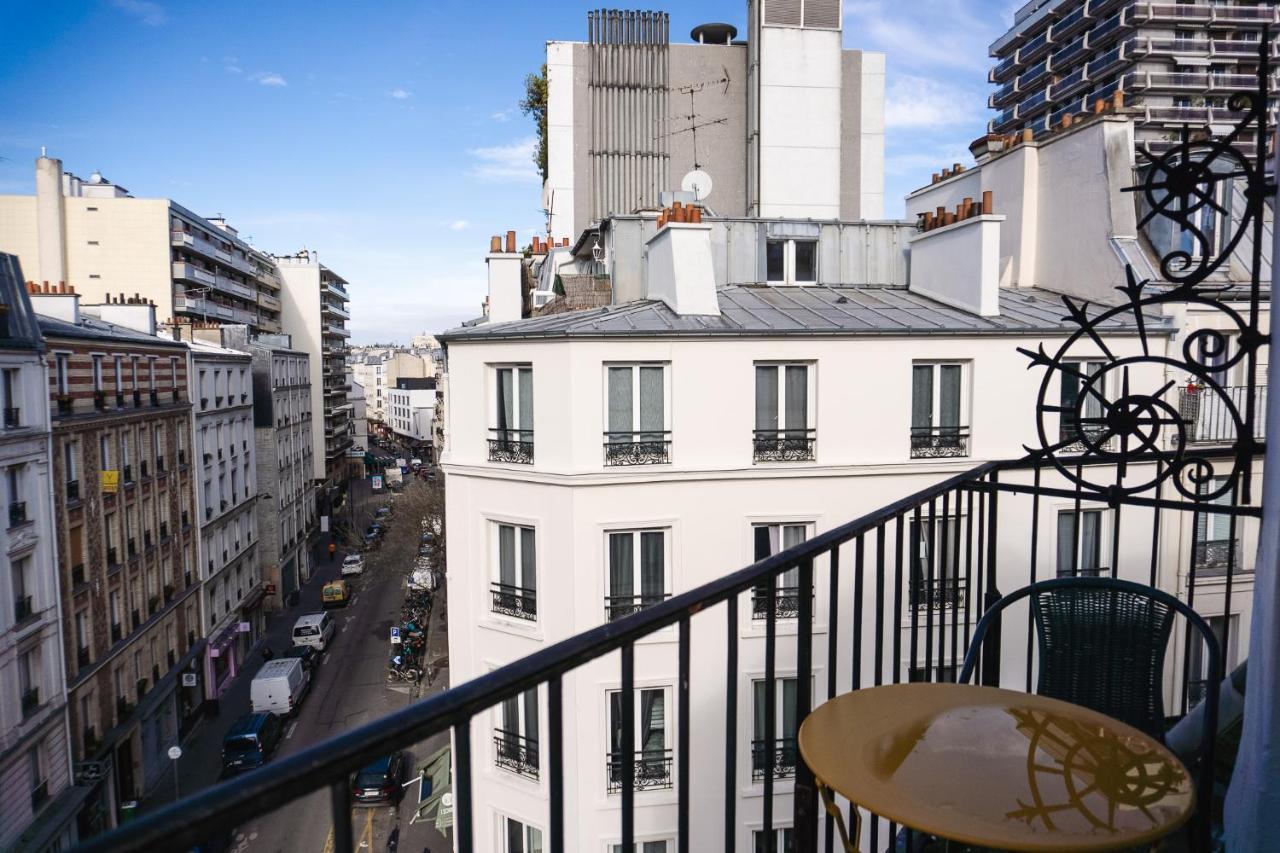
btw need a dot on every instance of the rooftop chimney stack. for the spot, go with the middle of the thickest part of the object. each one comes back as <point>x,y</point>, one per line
<point>678,268</point>
<point>50,220</point>
<point>506,303</point>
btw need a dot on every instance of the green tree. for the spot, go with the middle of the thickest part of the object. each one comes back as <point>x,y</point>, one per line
<point>534,103</point>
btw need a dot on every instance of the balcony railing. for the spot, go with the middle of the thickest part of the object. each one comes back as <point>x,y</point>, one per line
<point>939,442</point>
<point>861,570</point>
<point>511,446</point>
<point>647,770</point>
<point>22,608</point>
<point>1216,556</point>
<point>617,606</point>
<point>516,753</point>
<point>931,593</point>
<point>1213,416</point>
<point>779,755</point>
<point>30,702</point>
<point>17,513</point>
<point>12,418</point>
<point>783,445</point>
<point>637,448</point>
<point>517,601</point>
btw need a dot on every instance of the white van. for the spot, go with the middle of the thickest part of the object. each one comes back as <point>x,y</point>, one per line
<point>314,629</point>
<point>279,686</point>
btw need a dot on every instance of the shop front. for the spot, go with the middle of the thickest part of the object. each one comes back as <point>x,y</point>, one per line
<point>221,661</point>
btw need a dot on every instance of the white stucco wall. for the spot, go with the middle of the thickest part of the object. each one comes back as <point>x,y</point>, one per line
<point>958,264</point>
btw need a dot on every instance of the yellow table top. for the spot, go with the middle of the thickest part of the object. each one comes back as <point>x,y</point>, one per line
<point>997,768</point>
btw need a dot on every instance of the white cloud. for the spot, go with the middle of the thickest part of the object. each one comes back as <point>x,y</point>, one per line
<point>501,115</point>
<point>401,94</point>
<point>151,14</point>
<point>234,69</point>
<point>458,225</point>
<point>928,34</point>
<point>269,78</point>
<point>921,102</point>
<point>512,162</point>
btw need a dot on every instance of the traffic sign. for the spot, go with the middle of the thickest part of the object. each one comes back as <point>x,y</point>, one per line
<point>395,636</point>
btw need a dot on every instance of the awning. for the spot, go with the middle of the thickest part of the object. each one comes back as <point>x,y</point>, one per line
<point>435,792</point>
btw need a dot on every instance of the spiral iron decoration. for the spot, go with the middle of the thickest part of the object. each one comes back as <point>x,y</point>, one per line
<point>1112,418</point>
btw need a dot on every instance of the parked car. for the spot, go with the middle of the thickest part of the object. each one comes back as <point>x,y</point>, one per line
<point>250,742</point>
<point>306,654</point>
<point>379,782</point>
<point>382,512</point>
<point>426,550</point>
<point>371,535</point>
<point>335,594</point>
<point>352,564</point>
<point>279,686</point>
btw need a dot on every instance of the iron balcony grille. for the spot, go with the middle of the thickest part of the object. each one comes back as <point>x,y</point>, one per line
<point>783,445</point>
<point>30,702</point>
<point>637,448</point>
<point>73,490</point>
<point>12,418</point>
<point>618,606</point>
<point>516,753</point>
<point>651,770</point>
<point>939,442</point>
<point>933,593</point>
<point>786,602</point>
<point>780,754</point>
<point>511,446</point>
<point>514,601</point>
<point>1077,438</point>
<point>22,608</point>
<point>1214,414</point>
<point>1215,556</point>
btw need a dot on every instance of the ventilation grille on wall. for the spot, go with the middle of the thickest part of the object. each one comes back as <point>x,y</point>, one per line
<point>824,14</point>
<point>783,13</point>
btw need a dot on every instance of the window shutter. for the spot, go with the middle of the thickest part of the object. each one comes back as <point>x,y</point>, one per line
<point>824,14</point>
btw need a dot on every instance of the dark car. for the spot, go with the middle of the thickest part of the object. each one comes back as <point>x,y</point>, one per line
<point>250,742</point>
<point>307,654</point>
<point>379,782</point>
<point>372,534</point>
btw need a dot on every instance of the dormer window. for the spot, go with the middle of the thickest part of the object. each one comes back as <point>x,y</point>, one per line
<point>791,261</point>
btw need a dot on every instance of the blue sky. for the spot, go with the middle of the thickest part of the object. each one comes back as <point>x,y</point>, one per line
<point>385,134</point>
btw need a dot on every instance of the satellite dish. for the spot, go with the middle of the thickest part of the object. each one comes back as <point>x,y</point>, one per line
<point>697,182</point>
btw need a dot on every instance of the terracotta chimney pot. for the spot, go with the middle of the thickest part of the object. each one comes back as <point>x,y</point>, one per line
<point>1028,134</point>
<point>511,242</point>
<point>988,203</point>
<point>495,244</point>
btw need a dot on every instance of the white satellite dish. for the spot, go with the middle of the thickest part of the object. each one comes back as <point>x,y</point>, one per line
<point>697,182</point>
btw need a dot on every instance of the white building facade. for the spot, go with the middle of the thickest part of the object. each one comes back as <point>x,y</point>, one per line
<point>412,409</point>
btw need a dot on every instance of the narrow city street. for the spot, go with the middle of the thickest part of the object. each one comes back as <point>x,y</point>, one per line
<point>349,689</point>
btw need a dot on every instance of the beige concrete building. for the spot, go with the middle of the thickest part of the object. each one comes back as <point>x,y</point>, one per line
<point>94,234</point>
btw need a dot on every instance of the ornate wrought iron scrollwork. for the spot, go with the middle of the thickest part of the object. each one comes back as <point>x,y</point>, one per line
<point>637,449</point>
<point>1114,417</point>
<point>781,753</point>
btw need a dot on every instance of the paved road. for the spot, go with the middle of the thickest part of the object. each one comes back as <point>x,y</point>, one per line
<point>349,690</point>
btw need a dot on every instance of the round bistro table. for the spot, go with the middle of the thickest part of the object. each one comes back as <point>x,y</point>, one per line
<point>996,768</point>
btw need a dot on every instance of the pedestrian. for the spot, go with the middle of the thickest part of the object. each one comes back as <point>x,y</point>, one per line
<point>333,550</point>
<point>267,654</point>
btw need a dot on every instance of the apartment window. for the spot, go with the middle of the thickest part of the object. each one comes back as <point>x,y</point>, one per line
<point>97,374</point>
<point>70,462</point>
<point>1082,396</point>
<point>1216,548</point>
<point>514,593</point>
<point>519,837</point>
<point>11,397</point>
<point>83,633</point>
<point>780,754</point>
<point>791,261</point>
<point>643,847</point>
<point>1226,629</point>
<point>62,369</point>
<point>516,737</point>
<point>38,771</point>
<point>133,372</point>
<point>104,452</point>
<point>636,427</point>
<point>1080,543</point>
<point>651,739</point>
<point>938,427</point>
<point>151,373</point>
<point>13,490</point>
<point>774,841</point>
<point>767,540</point>
<point>173,373</point>
<point>784,412</point>
<point>637,571</point>
<point>23,585</point>
<point>512,439</point>
<point>29,680</point>
<point>936,567</point>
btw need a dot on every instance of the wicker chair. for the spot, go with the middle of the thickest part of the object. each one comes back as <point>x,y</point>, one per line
<point>1102,644</point>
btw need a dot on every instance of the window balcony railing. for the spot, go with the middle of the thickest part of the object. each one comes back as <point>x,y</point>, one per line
<point>23,608</point>
<point>779,754</point>
<point>637,448</point>
<point>516,753</point>
<point>618,606</point>
<point>937,592</point>
<point>1216,556</point>
<point>939,442</point>
<point>511,446</point>
<point>17,513</point>
<point>783,445</point>
<point>514,601</point>
<point>65,404</point>
<point>77,574</point>
<point>650,770</point>
<point>117,631</point>
<point>73,490</point>
<point>1212,415</point>
<point>786,602</point>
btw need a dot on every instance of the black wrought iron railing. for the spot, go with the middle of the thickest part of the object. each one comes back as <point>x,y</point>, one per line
<point>518,601</point>
<point>783,445</point>
<point>946,590</point>
<point>1213,414</point>
<point>646,770</point>
<point>939,442</point>
<point>1215,555</point>
<point>777,756</point>
<point>618,606</point>
<point>516,753</point>
<point>637,448</point>
<point>17,513</point>
<point>511,446</point>
<point>783,603</point>
<point>12,418</point>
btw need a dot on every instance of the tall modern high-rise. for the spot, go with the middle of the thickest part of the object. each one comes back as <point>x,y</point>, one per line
<point>314,315</point>
<point>95,235</point>
<point>783,122</point>
<point>1171,64</point>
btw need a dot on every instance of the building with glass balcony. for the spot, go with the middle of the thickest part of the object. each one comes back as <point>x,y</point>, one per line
<point>1166,64</point>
